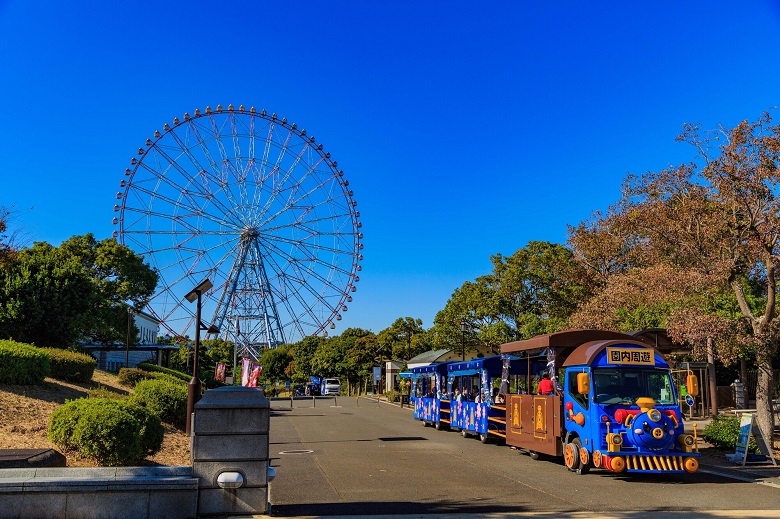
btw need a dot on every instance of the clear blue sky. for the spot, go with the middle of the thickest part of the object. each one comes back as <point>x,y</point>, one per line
<point>464,128</point>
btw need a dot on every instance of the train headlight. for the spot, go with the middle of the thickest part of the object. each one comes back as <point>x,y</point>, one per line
<point>654,415</point>
<point>686,441</point>
<point>614,441</point>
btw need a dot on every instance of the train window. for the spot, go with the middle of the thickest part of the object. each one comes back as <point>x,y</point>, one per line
<point>574,391</point>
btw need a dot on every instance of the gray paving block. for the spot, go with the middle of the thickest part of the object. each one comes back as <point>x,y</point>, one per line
<point>239,501</point>
<point>43,505</point>
<point>173,504</point>
<point>229,448</point>
<point>154,472</point>
<point>108,505</point>
<point>235,421</point>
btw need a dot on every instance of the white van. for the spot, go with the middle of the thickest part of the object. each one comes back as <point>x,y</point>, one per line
<point>331,386</point>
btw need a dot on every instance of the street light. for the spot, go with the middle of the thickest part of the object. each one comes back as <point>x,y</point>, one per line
<point>194,387</point>
<point>127,344</point>
<point>464,327</point>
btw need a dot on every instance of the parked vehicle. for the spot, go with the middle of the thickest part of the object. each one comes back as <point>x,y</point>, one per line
<point>331,386</point>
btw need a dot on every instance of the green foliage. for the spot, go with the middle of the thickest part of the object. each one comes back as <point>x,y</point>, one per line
<point>165,398</point>
<point>303,352</point>
<point>275,362</point>
<point>22,363</point>
<point>129,377</point>
<point>112,432</point>
<point>102,391</point>
<point>151,431</point>
<point>70,366</point>
<point>160,369</point>
<point>117,275</point>
<point>723,433</point>
<point>52,296</point>
<point>45,298</point>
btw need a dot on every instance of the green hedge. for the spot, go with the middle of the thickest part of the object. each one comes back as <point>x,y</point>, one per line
<point>112,432</point>
<point>22,363</point>
<point>70,366</point>
<point>723,433</point>
<point>165,398</point>
<point>130,377</point>
<point>159,369</point>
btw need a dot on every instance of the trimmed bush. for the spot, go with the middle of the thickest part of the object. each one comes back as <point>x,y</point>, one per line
<point>112,432</point>
<point>152,431</point>
<point>70,366</point>
<point>159,369</point>
<point>130,377</point>
<point>103,392</point>
<point>63,422</point>
<point>723,433</point>
<point>22,363</point>
<point>164,398</point>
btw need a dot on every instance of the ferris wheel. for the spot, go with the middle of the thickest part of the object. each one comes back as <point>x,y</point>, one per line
<point>254,204</point>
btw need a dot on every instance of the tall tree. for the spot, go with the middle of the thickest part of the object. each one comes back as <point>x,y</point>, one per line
<point>539,286</point>
<point>721,219</point>
<point>45,299</point>
<point>472,318</point>
<point>119,276</point>
<point>403,339</point>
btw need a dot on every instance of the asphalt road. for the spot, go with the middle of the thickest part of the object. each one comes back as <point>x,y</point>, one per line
<point>368,458</point>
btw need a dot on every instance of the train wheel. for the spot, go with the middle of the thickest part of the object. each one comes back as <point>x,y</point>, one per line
<point>425,424</point>
<point>484,437</point>
<point>577,459</point>
<point>438,426</point>
<point>571,454</point>
<point>534,455</point>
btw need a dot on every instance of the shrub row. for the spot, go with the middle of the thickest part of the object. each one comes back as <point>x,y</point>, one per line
<point>723,433</point>
<point>110,431</point>
<point>70,366</point>
<point>165,398</point>
<point>159,369</point>
<point>22,363</point>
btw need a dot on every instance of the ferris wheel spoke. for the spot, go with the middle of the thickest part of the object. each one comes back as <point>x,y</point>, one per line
<point>261,176</point>
<point>182,189</point>
<point>315,246</point>
<point>239,167</point>
<point>277,185</point>
<point>226,165</point>
<point>300,223</point>
<point>297,296</point>
<point>290,203</point>
<point>202,173</point>
<point>197,211</point>
<point>302,265</point>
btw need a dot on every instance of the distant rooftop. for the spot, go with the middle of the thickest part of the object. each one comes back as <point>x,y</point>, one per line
<point>429,357</point>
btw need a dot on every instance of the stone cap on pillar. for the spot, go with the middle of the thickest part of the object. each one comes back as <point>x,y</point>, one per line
<point>233,397</point>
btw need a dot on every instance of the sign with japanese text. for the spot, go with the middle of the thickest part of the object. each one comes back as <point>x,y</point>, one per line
<point>630,356</point>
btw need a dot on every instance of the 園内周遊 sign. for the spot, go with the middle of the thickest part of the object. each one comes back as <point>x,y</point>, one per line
<point>640,357</point>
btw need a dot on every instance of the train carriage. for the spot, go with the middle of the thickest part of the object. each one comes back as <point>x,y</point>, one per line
<point>428,394</point>
<point>478,389</point>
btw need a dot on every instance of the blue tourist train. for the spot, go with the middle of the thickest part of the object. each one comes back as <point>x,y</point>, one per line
<point>610,402</point>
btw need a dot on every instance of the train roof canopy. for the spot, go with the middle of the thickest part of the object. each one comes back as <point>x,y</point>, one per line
<point>569,340</point>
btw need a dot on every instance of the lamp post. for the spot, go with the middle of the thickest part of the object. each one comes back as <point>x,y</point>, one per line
<point>127,343</point>
<point>194,387</point>
<point>464,327</point>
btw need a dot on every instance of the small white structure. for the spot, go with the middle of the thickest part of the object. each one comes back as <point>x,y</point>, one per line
<point>113,357</point>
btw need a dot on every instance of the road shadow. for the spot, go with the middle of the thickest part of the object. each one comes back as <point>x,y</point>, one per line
<point>392,508</point>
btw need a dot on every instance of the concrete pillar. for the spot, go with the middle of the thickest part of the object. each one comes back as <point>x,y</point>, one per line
<point>230,451</point>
